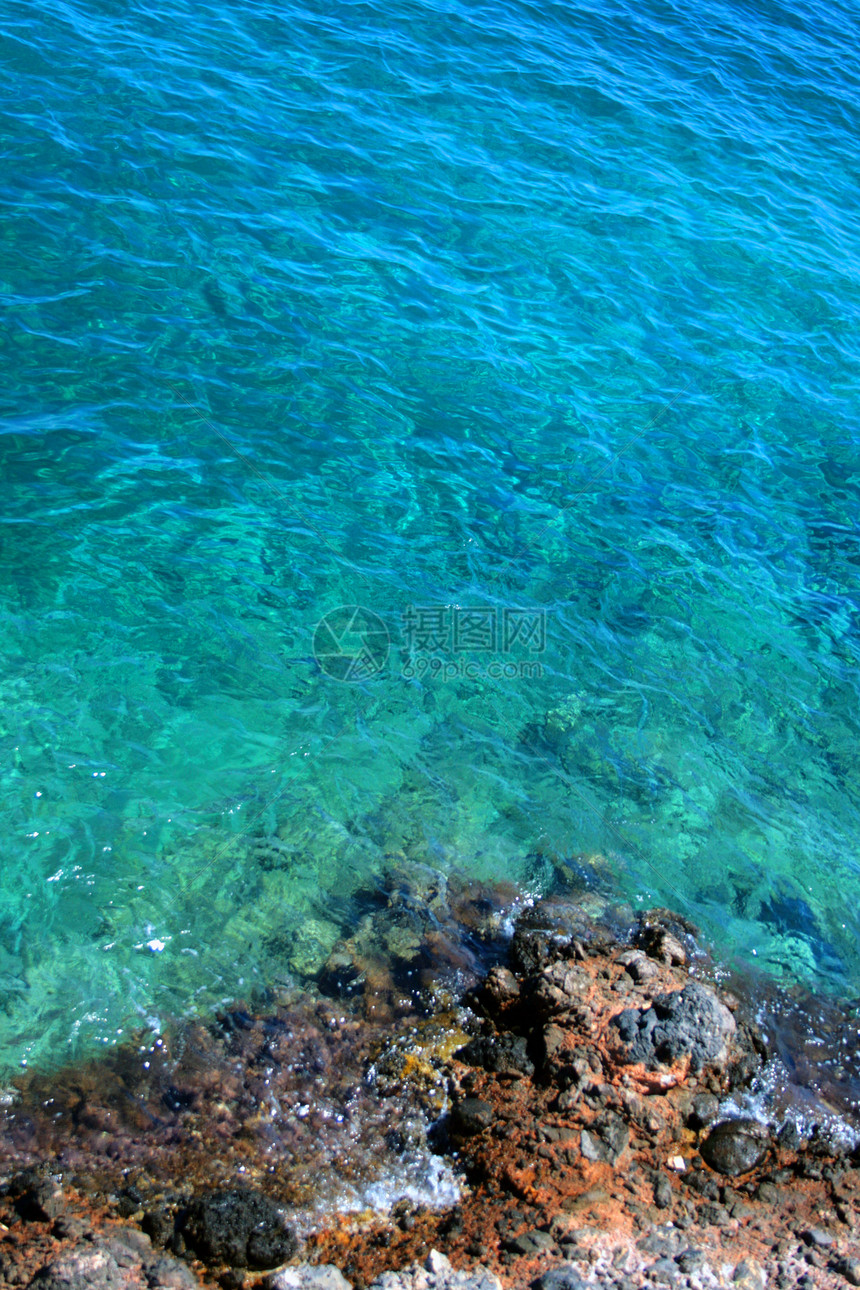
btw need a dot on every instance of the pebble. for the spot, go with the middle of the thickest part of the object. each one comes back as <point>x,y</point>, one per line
<point>704,1109</point>
<point>562,1278</point>
<point>749,1276</point>
<point>663,1271</point>
<point>691,1260</point>
<point>170,1274</point>
<point>471,1116</point>
<point>849,1268</point>
<point>816,1237</point>
<point>437,1274</point>
<point>656,1243</point>
<point>715,1215</point>
<point>530,1243</point>
<point>307,1277</point>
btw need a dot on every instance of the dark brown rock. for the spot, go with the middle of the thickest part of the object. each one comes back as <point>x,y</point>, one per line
<point>471,1115</point>
<point>736,1146</point>
<point>504,1054</point>
<point>499,989</point>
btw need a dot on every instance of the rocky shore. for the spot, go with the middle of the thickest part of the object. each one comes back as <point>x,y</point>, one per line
<point>476,1094</point>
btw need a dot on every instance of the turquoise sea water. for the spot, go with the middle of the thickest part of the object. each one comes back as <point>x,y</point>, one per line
<point>546,312</point>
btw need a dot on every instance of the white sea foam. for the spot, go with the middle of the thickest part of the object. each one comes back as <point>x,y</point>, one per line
<point>777,1101</point>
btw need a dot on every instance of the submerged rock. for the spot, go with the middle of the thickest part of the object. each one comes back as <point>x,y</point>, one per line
<point>500,989</point>
<point>660,932</point>
<point>40,1197</point>
<point>330,1103</point>
<point>551,930</point>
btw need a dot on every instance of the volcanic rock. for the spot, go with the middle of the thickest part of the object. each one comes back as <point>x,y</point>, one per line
<point>557,988</point>
<point>40,1199</point>
<point>81,1270</point>
<point>169,1274</point>
<point>687,1023</point>
<point>240,1227</point>
<point>606,1141</point>
<point>704,1109</point>
<point>550,930</point>
<point>749,1276</point>
<point>849,1268</point>
<point>638,965</point>
<point>565,1277</point>
<point>504,1054</point>
<point>470,1116</point>
<point>437,1274</point>
<point>736,1146</point>
<point>501,987</point>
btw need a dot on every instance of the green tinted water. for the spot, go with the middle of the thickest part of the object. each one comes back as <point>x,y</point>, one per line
<point>463,308</point>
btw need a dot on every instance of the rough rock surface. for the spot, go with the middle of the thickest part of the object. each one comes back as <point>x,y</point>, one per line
<point>686,1023</point>
<point>585,1089</point>
<point>237,1226</point>
<point>323,1276</point>
<point>592,1170</point>
<point>504,1054</point>
<point>736,1146</point>
<point>115,1260</point>
<point>436,1273</point>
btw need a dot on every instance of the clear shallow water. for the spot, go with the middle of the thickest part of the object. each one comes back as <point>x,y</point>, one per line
<point>491,306</point>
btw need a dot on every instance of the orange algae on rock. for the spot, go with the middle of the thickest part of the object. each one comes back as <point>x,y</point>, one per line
<point>567,1149</point>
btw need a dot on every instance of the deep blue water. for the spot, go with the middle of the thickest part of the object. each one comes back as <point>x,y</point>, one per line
<point>530,330</point>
